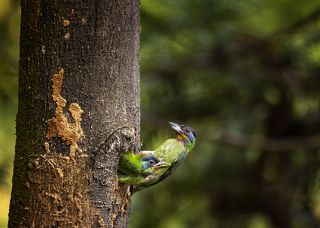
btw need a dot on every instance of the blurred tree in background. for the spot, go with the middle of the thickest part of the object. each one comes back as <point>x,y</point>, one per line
<point>245,75</point>
<point>9,53</point>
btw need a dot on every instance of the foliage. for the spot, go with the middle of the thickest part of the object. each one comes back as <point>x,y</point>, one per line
<point>244,75</point>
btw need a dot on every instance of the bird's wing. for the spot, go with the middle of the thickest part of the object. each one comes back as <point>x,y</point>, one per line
<point>145,153</point>
<point>172,167</point>
<point>135,180</point>
<point>170,150</point>
<point>173,152</point>
<point>129,164</point>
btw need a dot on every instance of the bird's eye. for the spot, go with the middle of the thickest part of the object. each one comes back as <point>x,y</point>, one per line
<point>188,130</point>
<point>152,162</point>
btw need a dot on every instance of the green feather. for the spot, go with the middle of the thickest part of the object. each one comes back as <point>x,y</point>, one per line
<point>170,150</point>
<point>130,164</point>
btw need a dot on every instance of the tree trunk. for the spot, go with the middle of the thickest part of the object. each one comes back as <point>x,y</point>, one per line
<point>78,110</point>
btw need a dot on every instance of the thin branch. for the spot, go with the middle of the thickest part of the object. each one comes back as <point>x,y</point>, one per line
<point>269,144</point>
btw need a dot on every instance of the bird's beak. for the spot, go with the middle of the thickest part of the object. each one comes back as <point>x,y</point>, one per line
<point>161,164</point>
<point>176,127</point>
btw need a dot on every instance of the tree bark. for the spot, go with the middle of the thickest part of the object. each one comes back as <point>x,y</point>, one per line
<point>78,110</point>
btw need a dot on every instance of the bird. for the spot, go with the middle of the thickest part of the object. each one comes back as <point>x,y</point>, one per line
<point>135,169</point>
<point>174,150</point>
<point>141,169</point>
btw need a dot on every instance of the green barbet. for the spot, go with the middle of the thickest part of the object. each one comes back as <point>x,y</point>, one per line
<point>133,169</point>
<point>140,169</point>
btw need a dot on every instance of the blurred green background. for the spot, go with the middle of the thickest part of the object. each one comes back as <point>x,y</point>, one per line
<point>246,76</point>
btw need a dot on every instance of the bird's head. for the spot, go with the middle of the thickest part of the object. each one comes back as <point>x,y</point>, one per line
<point>152,165</point>
<point>184,133</point>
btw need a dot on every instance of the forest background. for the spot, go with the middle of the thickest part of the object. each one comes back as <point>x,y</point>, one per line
<point>246,76</point>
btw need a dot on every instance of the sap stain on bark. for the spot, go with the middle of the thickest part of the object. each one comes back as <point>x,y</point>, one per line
<point>59,125</point>
<point>66,22</point>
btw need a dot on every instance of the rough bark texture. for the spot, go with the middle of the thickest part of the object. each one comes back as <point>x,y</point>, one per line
<point>78,110</point>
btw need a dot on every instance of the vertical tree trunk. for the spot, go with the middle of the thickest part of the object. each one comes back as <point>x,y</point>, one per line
<point>78,110</point>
